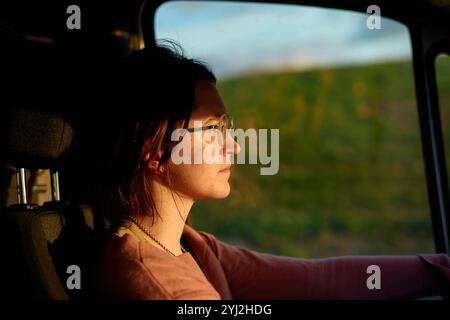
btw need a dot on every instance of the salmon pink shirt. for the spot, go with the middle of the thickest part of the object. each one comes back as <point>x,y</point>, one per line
<point>132,268</point>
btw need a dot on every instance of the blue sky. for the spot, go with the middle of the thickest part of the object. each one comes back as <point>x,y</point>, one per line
<point>235,38</point>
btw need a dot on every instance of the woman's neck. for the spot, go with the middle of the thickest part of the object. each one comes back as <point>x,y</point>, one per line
<point>173,210</point>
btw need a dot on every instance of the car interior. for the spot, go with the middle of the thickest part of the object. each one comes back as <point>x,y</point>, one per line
<point>49,73</point>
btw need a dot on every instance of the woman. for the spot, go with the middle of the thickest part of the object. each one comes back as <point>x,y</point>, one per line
<point>151,252</point>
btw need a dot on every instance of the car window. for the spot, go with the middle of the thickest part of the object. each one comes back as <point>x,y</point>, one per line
<point>351,176</point>
<point>442,66</point>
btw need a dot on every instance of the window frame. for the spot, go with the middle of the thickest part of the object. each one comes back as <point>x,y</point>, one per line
<point>428,39</point>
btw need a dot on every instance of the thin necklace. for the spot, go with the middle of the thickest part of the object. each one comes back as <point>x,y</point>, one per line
<point>147,232</point>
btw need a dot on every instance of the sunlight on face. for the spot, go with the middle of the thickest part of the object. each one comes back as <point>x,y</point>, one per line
<point>203,180</point>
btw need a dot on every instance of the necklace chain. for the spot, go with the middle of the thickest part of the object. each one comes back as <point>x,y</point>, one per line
<point>148,233</point>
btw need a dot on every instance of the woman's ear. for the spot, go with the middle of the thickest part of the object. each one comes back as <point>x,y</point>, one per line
<point>153,164</point>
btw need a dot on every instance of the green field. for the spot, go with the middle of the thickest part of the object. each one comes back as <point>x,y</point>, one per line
<point>351,178</point>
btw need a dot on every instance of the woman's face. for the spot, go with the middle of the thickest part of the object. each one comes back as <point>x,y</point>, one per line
<point>204,180</point>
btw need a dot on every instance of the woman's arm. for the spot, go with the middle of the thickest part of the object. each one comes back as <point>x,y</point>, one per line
<point>253,275</point>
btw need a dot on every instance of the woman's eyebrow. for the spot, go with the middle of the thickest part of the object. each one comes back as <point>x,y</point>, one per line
<point>215,117</point>
<point>209,119</point>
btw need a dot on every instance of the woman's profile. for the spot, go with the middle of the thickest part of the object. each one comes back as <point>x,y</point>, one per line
<point>151,252</point>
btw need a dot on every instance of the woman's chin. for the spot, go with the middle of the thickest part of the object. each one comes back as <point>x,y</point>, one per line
<point>225,194</point>
<point>219,193</point>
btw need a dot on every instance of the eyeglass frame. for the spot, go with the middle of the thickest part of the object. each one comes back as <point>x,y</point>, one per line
<point>229,125</point>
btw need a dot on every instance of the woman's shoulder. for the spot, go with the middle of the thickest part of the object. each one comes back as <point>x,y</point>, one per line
<point>137,267</point>
<point>124,246</point>
<point>120,273</point>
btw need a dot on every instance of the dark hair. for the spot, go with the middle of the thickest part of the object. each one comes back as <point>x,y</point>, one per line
<point>152,93</point>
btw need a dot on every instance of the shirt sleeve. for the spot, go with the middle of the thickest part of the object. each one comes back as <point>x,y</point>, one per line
<point>253,275</point>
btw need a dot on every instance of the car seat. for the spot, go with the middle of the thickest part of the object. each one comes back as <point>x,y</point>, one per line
<point>43,245</point>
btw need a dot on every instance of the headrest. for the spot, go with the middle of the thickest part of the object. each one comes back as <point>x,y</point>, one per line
<point>34,139</point>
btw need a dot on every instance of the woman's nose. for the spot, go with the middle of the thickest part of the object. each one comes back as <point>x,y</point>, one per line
<point>231,146</point>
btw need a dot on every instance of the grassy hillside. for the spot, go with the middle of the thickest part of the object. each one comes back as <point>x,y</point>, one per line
<point>351,177</point>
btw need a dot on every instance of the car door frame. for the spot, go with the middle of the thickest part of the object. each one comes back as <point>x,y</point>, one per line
<point>430,35</point>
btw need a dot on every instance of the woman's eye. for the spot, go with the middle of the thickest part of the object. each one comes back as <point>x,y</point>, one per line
<point>212,134</point>
<point>214,127</point>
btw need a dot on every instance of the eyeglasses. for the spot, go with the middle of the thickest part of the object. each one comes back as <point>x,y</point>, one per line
<point>225,122</point>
